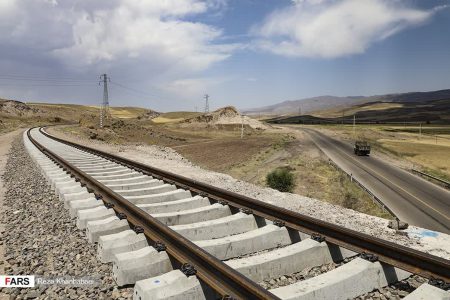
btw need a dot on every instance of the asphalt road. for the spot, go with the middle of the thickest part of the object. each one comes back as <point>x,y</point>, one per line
<point>411,198</point>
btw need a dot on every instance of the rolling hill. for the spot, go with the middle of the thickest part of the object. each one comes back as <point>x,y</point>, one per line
<point>322,103</point>
<point>16,114</point>
<point>432,112</point>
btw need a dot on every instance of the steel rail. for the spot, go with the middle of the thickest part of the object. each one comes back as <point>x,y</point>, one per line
<point>216,274</point>
<point>411,260</point>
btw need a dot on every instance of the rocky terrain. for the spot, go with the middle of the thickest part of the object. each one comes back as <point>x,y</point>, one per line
<point>228,115</point>
<point>17,108</point>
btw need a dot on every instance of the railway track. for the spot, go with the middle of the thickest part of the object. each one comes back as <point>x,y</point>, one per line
<point>175,238</point>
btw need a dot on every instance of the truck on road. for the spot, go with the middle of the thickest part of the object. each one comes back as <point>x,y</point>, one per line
<point>361,148</point>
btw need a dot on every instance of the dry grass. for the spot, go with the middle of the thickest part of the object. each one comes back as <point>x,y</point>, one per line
<point>8,123</point>
<point>350,111</point>
<point>162,120</point>
<point>429,151</point>
<point>126,112</point>
<point>75,112</point>
<point>175,117</point>
<point>425,153</point>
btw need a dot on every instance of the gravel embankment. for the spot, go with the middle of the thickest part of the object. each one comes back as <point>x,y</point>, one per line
<point>42,240</point>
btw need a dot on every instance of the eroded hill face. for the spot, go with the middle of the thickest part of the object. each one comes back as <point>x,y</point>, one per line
<point>16,108</point>
<point>228,115</point>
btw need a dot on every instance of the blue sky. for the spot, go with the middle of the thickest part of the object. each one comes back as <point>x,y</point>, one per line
<point>167,54</point>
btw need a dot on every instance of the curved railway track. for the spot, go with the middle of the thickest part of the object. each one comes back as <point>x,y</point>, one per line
<point>174,237</point>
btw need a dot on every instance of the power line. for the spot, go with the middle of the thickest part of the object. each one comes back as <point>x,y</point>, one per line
<point>39,78</point>
<point>44,80</point>
<point>51,85</point>
<point>137,92</point>
<point>28,80</point>
<point>36,81</point>
<point>133,90</point>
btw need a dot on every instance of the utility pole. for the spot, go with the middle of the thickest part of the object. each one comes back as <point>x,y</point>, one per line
<point>242,126</point>
<point>420,131</point>
<point>354,125</point>
<point>206,97</point>
<point>104,112</point>
<point>299,110</point>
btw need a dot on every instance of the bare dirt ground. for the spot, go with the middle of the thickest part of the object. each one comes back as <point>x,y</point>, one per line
<point>5,144</point>
<point>222,154</point>
<point>169,160</point>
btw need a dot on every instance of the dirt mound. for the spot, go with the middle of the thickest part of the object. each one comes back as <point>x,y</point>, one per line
<point>16,108</point>
<point>227,112</point>
<point>148,115</point>
<point>228,115</point>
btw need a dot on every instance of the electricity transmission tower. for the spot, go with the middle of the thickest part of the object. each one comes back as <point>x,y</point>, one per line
<point>206,103</point>
<point>104,112</point>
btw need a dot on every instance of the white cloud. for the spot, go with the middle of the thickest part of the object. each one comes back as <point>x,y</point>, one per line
<point>332,28</point>
<point>299,2</point>
<point>86,33</point>
<point>152,45</point>
<point>194,87</point>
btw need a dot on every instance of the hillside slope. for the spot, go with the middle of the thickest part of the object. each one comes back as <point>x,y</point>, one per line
<point>74,112</point>
<point>316,104</point>
<point>433,112</point>
<point>16,114</point>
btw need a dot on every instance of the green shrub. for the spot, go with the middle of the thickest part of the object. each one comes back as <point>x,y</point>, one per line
<point>281,179</point>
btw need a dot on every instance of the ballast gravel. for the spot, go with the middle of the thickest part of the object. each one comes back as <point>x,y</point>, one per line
<point>42,240</point>
<point>395,291</point>
<point>305,274</point>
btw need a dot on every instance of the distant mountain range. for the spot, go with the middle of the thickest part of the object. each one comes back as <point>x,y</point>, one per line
<point>310,105</point>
